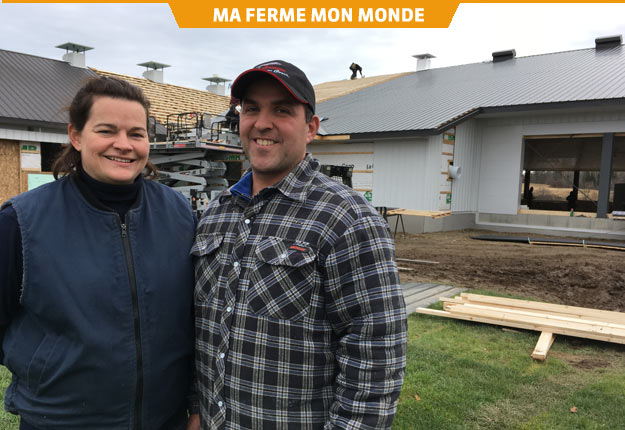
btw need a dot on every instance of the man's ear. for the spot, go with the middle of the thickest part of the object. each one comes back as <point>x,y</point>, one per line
<point>313,127</point>
<point>74,137</point>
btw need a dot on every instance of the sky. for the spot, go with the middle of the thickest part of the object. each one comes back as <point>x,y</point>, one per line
<point>124,35</point>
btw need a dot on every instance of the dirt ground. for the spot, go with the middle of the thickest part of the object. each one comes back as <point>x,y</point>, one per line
<point>570,275</point>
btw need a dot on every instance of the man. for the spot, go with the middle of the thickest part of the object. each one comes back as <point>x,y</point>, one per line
<point>355,68</point>
<point>300,319</point>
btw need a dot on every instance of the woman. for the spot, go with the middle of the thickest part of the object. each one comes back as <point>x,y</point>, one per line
<point>96,307</point>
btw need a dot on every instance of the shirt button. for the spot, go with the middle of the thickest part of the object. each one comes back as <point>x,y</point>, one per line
<point>222,355</point>
<point>220,403</point>
<point>235,264</point>
<point>247,221</point>
<point>229,309</point>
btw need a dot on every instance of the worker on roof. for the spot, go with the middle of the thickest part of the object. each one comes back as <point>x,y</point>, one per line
<point>96,280</point>
<point>355,68</point>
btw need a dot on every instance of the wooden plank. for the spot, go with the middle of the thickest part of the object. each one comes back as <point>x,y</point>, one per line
<point>418,213</point>
<point>539,314</point>
<point>332,137</point>
<point>514,324</point>
<point>542,309</point>
<point>617,317</point>
<point>542,346</point>
<point>408,260</point>
<point>541,324</point>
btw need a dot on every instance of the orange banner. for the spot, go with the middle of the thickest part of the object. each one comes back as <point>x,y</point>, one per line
<point>324,14</point>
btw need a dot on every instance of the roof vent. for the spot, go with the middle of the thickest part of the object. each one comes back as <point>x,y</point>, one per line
<point>504,55</point>
<point>153,73</point>
<point>217,85</point>
<point>608,41</point>
<point>423,61</point>
<point>75,54</point>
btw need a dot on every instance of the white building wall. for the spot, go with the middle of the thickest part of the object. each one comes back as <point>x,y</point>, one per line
<point>406,173</point>
<point>467,151</point>
<point>33,136</point>
<point>502,149</point>
<point>500,175</point>
<point>432,173</point>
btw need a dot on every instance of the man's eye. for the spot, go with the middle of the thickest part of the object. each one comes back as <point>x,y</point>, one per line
<point>104,131</point>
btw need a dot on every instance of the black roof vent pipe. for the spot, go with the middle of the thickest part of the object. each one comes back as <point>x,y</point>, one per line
<point>608,41</point>
<point>504,55</point>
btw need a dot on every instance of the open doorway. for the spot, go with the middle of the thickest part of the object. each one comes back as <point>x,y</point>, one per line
<point>562,173</point>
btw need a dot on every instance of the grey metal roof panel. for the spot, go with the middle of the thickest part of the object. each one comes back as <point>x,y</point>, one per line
<point>426,100</point>
<point>37,89</point>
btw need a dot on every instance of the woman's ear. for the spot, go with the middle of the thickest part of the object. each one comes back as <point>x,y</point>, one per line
<point>74,137</point>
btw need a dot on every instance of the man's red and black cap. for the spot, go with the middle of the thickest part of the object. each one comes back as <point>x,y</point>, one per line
<point>291,77</point>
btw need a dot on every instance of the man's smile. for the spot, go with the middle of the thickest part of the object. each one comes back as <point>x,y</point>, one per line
<point>265,142</point>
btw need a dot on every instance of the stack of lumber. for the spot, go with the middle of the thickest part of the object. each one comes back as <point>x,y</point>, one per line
<point>549,319</point>
<point>433,214</point>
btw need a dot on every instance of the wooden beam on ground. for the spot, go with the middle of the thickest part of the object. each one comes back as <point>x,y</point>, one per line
<point>521,325</point>
<point>433,214</point>
<point>556,318</point>
<point>542,346</point>
<point>547,318</point>
<point>617,317</point>
<point>543,324</point>
<point>408,260</point>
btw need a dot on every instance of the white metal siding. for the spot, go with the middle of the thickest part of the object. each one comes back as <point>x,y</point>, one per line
<point>500,174</point>
<point>465,189</point>
<point>601,121</point>
<point>400,174</point>
<point>33,136</point>
<point>433,173</point>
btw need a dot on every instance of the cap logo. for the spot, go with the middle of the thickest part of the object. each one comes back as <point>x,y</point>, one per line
<point>274,69</point>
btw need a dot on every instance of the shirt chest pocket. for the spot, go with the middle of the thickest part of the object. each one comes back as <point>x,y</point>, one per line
<point>283,279</point>
<point>206,250</point>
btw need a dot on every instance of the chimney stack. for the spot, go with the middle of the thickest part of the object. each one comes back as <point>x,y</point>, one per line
<point>75,54</point>
<point>153,73</point>
<point>217,86</point>
<point>423,61</point>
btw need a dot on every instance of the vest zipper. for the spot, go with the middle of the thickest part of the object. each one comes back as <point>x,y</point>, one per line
<point>135,313</point>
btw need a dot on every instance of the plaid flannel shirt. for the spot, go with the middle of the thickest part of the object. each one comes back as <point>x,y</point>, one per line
<point>300,318</point>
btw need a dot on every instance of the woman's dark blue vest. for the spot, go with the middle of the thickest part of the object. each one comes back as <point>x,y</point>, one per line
<point>104,338</point>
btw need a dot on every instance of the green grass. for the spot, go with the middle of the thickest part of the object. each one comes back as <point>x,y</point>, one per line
<point>477,376</point>
<point>463,375</point>
<point>7,421</point>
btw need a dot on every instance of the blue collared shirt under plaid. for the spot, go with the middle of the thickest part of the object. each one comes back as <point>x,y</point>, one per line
<point>300,318</point>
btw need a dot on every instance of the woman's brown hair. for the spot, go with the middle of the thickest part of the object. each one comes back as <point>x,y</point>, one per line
<point>69,159</point>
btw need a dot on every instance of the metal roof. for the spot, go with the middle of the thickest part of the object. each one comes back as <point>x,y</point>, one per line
<point>430,100</point>
<point>37,89</point>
